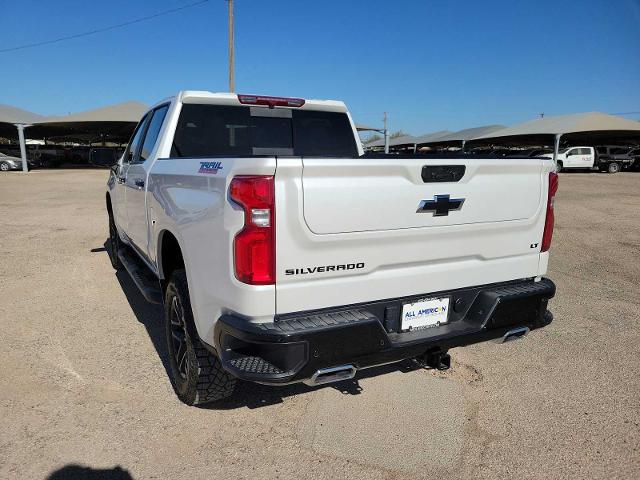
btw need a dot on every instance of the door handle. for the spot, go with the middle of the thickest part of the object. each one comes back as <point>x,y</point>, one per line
<point>139,182</point>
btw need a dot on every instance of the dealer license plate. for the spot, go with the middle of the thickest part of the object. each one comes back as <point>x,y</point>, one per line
<point>427,313</point>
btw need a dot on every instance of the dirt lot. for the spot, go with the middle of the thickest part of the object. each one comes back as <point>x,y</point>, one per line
<point>83,367</point>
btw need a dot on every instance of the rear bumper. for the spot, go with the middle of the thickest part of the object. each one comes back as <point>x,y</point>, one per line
<point>295,346</point>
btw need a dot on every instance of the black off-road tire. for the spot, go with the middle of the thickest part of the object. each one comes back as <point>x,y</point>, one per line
<point>613,167</point>
<point>197,375</point>
<point>114,244</point>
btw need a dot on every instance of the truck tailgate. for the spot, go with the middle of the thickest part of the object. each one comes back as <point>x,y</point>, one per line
<point>342,196</point>
<point>359,230</point>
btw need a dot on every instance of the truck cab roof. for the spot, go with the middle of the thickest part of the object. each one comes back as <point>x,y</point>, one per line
<point>233,99</point>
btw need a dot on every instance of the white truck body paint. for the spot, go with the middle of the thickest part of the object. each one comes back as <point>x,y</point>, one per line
<point>332,211</point>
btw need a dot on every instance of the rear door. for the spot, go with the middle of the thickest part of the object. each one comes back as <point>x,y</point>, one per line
<point>136,179</point>
<point>588,157</point>
<point>358,230</point>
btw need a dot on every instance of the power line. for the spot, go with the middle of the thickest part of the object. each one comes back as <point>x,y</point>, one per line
<point>104,29</point>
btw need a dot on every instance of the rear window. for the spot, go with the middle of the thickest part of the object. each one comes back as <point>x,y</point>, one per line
<point>215,130</point>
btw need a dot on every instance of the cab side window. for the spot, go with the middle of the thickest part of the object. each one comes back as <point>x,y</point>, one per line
<point>153,130</point>
<point>132,149</point>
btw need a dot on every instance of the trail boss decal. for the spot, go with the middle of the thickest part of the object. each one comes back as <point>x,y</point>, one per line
<point>323,269</point>
<point>210,167</point>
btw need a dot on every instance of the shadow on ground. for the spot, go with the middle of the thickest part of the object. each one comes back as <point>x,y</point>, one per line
<point>253,395</point>
<point>247,394</point>
<point>79,472</point>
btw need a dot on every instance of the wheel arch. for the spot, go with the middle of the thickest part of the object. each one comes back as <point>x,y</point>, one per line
<point>170,255</point>
<point>170,259</point>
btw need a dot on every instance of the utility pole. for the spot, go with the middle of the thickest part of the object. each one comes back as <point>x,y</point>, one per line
<point>232,80</point>
<point>386,134</point>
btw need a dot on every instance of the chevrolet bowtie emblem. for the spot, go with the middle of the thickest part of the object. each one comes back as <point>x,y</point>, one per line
<point>441,205</point>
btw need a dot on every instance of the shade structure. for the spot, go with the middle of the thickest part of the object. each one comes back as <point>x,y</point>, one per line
<point>430,137</point>
<point>457,138</point>
<point>407,140</point>
<point>113,123</point>
<point>591,125</point>
<point>403,140</point>
<point>366,128</point>
<point>12,115</point>
<point>108,125</point>
<point>130,112</point>
<point>83,132</point>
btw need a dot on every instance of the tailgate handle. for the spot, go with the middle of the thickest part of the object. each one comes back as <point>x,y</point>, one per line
<point>442,173</point>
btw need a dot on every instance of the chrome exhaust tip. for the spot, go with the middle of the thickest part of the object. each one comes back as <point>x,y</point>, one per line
<point>514,334</point>
<point>331,374</point>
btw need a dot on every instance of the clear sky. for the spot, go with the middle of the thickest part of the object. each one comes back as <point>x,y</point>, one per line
<point>432,64</point>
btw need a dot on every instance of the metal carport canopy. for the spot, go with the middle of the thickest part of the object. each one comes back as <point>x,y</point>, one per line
<point>462,136</point>
<point>120,112</point>
<point>366,128</point>
<point>431,137</point>
<point>408,139</point>
<point>403,140</point>
<point>114,121</point>
<point>563,124</point>
<point>13,115</point>
<point>587,126</point>
<point>12,118</point>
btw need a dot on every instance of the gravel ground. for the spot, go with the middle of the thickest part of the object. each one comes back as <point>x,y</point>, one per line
<point>84,388</point>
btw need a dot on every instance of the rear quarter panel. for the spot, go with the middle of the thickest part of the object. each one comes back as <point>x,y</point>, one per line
<point>194,207</point>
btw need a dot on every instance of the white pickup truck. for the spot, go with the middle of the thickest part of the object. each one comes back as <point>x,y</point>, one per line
<point>604,159</point>
<point>282,254</point>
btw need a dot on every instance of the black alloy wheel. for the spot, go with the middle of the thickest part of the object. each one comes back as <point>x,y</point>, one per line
<point>179,337</point>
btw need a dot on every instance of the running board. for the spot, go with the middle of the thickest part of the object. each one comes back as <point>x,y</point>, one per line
<point>143,278</point>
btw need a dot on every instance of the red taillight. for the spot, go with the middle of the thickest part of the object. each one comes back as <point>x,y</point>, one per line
<point>270,101</point>
<point>254,246</point>
<point>548,224</point>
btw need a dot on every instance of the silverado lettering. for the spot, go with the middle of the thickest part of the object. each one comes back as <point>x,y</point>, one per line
<point>322,269</point>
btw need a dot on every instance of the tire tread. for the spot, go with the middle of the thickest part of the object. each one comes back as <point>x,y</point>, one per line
<point>211,382</point>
